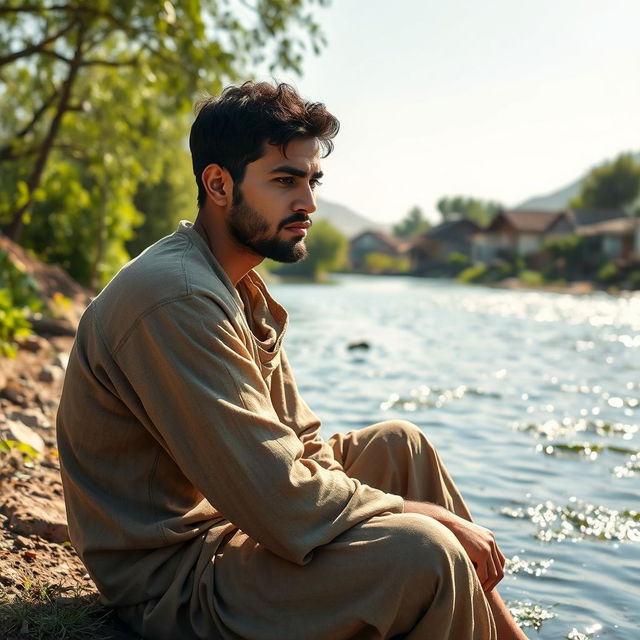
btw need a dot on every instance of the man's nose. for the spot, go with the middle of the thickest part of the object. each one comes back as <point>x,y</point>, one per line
<point>306,203</point>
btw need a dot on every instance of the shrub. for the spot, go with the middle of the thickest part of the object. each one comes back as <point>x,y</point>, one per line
<point>531,278</point>
<point>634,278</point>
<point>607,272</point>
<point>476,273</point>
<point>382,263</point>
<point>19,296</point>
<point>457,261</point>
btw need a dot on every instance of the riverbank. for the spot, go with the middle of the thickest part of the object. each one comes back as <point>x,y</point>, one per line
<point>45,591</point>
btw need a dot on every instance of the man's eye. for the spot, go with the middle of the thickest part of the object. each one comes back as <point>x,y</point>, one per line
<point>285,180</point>
<point>315,183</point>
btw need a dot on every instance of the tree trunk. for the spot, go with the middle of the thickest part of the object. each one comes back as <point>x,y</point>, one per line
<point>14,230</point>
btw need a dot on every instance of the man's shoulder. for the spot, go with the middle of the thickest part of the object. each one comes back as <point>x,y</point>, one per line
<point>171,270</point>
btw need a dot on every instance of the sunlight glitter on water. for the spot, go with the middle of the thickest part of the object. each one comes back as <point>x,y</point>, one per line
<point>553,370</point>
<point>527,614</point>
<point>578,520</point>
<point>517,565</point>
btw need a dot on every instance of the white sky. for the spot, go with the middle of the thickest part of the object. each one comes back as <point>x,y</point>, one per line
<point>498,99</point>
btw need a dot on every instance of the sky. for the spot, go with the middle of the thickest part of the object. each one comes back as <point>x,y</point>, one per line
<point>499,99</point>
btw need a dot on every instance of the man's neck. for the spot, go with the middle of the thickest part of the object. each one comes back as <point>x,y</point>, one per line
<point>235,259</point>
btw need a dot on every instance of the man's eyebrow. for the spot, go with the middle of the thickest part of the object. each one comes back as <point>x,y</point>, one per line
<point>294,171</point>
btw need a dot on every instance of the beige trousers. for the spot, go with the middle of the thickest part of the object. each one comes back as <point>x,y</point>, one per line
<point>392,576</point>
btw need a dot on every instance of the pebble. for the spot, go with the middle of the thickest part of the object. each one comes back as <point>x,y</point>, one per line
<point>50,373</point>
<point>61,361</point>
<point>32,418</point>
<point>13,430</point>
<point>34,343</point>
<point>44,517</point>
<point>13,392</point>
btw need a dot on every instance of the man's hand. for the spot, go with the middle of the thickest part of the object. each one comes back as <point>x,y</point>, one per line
<point>479,542</point>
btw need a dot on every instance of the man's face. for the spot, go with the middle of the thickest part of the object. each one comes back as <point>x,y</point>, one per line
<point>272,205</point>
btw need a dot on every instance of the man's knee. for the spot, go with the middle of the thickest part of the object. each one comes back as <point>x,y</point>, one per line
<point>401,434</point>
<point>423,551</point>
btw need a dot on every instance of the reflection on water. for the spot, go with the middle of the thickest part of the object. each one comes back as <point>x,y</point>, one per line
<point>532,400</point>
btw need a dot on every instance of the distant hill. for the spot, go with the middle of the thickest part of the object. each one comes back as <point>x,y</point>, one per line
<point>344,219</point>
<point>557,199</point>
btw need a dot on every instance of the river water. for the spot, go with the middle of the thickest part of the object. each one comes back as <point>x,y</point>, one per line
<point>532,399</point>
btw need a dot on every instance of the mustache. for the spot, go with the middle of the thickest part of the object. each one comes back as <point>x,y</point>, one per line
<point>293,218</point>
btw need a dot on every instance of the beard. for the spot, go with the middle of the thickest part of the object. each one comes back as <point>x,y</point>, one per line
<point>251,229</point>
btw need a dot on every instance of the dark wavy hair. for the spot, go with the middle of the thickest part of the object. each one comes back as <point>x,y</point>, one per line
<point>233,129</point>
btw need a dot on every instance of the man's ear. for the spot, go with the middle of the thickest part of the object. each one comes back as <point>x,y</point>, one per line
<point>218,184</point>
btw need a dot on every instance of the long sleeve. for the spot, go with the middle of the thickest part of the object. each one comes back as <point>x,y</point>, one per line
<point>207,403</point>
<point>302,420</point>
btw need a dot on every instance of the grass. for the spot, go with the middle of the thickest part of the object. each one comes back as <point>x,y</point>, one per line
<point>45,611</point>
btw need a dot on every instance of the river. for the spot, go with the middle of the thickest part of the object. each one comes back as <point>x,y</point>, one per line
<point>532,399</point>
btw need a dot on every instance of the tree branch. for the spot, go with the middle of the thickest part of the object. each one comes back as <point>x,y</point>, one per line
<point>108,63</point>
<point>35,48</point>
<point>55,54</point>
<point>15,226</point>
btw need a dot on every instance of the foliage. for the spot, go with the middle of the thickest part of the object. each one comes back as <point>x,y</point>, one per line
<point>413,224</point>
<point>564,246</point>
<point>607,272</point>
<point>377,263</point>
<point>458,261</point>
<point>44,610</point>
<point>479,211</point>
<point>327,248</point>
<point>15,455</point>
<point>634,278</point>
<point>474,273</point>
<point>165,202</point>
<point>95,98</point>
<point>612,185</point>
<point>531,278</point>
<point>19,296</point>
<point>567,256</point>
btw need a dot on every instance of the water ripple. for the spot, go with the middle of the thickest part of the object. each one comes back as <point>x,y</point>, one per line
<point>579,520</point>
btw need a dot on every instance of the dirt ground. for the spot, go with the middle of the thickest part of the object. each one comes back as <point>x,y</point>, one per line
<point>41,577</point>
<point>45,591</point>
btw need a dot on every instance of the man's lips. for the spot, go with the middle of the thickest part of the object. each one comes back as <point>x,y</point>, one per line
<point>298,227</point>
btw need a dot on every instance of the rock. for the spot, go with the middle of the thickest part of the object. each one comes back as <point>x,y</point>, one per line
<point>34,344</point>
<point>14,392</point>
<point>51,326</point>
<point>13,430</point>
<point>23,543</point>
<point>44,517</point>
<point>33,418</point>
<point>61,361</point>
<point>363,345</point>
<point>50,373</point>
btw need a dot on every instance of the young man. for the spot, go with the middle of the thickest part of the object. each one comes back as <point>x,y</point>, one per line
<point>200,494</point>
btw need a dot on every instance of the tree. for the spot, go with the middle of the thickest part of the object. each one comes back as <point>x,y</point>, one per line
<point>327,248</point>
<point>479,211</point>
<point>413,224</point>
<point>94,96</point>
<point>612,185</point>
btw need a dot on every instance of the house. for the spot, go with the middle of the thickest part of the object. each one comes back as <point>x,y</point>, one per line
<point>433,248</point>
<point>374,242</point>
<point>519,233</point>
<point>617,238</point>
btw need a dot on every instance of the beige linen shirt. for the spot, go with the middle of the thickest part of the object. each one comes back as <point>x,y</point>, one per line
<point>180,422</point>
